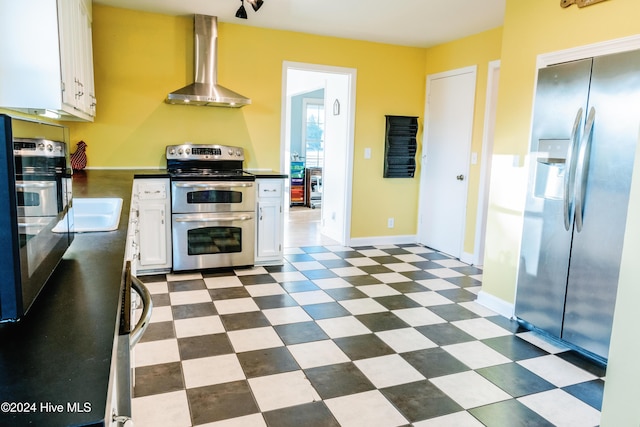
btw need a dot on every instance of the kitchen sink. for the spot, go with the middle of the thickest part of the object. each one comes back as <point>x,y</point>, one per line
<point>94,214</point>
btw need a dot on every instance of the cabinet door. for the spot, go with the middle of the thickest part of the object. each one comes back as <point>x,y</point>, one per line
<point>67,16</point>
<point>269,242</point>
<point>153,235</point>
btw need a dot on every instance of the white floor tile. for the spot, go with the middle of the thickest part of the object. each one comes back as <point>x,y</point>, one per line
<point>288,276</point>
<point>311,297</point>
<point>157,288</point>
<point>457,419</point>
<point>308,265</point>
<point>324,256</point>
<point>282,390</point>
<point>346,326</point>
<point>222,282</point>
<point>254,339</point>
<point>557,371</point>
<point>387,371</point>
<point>450,263</point>
<point>429,298</point>
<point>368,409</point>
<point>236,305</point>
<point>476,308</point>
<point>250,271</point>
<point>362,306</point>
<point>361,261</point>
<point>444,273</point>
<point>156,352</point>
<point>469,389</point>
<point>161,314</point>
<point>373,252</point>
<point>402,266</point>
<point>391,277</point>
<point>211,370</point>
<point>475,354</point>
<point>265,290</point>
<point>404,340</point>
<point>562,409</point>
<point>418,250</point>
<point>286,315</point>
<point>317,353</point>
<point>543,342</point>
<point>381,290</point>
<point>418,316</point>
<point>437,284</point>
<point>198,326</point>
<point>348,271</point>
<point>253,420</point>
<point>332,283</point>
<point>189,297</point>
<point>481,328</point>
<point>410,257</point>
<point>161,410</point>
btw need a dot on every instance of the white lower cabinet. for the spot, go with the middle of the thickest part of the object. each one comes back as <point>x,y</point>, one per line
<point>270,221</point>
<point>151,213</point>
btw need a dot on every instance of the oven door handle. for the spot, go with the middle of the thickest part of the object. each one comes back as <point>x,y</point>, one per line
<point>145,317</point>
<point>244,217</point>
<point>213,184</point>
<point>28,184</point>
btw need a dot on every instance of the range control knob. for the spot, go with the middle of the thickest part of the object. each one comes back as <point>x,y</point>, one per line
<point>238,152</point>
<point>180,151</point>
<point>41,146</point>
<point>49,147</point>
<point>231,151</point>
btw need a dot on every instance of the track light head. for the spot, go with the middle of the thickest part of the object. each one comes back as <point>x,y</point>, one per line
<point>241,13</point>
<point>255,4</point>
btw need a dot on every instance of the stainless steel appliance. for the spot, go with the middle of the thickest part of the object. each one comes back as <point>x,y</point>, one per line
<point>584,136</point>
<point>35,187</point>
<point>212,207</point>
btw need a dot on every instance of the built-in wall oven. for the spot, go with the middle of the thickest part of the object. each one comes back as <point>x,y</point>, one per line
<point>35,186</point>
<point>212,207</point>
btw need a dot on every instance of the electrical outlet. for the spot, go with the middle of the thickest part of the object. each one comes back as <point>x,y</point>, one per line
<point>390,223</point>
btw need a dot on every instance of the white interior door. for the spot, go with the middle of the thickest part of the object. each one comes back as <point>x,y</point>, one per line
<point>445,160</point>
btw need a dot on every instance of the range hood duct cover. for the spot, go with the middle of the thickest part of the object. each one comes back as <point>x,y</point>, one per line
<point>206,91</point>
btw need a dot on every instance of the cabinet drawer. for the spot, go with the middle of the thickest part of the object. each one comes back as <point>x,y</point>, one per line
<point>271,188</point>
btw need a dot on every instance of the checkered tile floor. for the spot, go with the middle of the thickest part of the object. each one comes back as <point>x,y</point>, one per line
<point>367,336</point>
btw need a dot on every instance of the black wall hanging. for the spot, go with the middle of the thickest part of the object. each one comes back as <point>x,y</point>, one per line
<point>400,147</point>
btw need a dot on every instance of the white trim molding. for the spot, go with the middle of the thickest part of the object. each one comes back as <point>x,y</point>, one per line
<point>496,304</point>
<point>383,240</point>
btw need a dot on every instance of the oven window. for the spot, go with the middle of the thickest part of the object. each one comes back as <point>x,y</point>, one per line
<point>214,240</point>
<point>214,196</point>
<point>28,198</point>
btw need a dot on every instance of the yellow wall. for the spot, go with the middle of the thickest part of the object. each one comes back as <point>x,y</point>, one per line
<point>478,50</point>
<point>140,57</point>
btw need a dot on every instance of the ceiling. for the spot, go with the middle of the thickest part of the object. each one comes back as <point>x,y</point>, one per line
<point>418,23</point>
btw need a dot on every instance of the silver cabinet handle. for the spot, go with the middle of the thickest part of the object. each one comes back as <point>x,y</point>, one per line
<point>582,168</point>
<point>460,177</point>
<point>142,324</point>
<point>215,219</point>
<point>570,171</point>
<point>27,184</point>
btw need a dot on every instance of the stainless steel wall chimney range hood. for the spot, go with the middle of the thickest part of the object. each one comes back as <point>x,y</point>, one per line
<point>206,91</point>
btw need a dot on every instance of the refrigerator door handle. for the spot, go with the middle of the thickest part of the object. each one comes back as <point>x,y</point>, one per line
<point>570,171</point>
<point>582,168</point>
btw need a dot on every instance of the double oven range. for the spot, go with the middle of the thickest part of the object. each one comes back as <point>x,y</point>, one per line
<point>212,207</point>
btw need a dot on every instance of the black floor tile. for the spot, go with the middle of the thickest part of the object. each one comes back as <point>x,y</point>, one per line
<point>248,320</point>
<point>274,301</point>
<point>204,346</point>
<point>315,414</point>
<point>362,280</point>
<point>186,285</point>
<point>221,401</point>
<point>158,331</point>
<point>468,270</point>
<point>420,400</point>
<point>340,294</point>
<point>319,274</point>
<point>453,312</point>
<point>338,380</point>
<point>256,279</point>
<point>299,286</point>
<point>325,310</point>
<point>583,362</point>
<point>156,379</point>
<point>508,413</point>
<point>434,362</point>
<point>384,321</point>
<point>268,361</point>
<point>436,256</point>
<point>514,348</point>
<point>375,269</point>
<point>408,287</point>
<point>387,259</point>
<point>590,392</point>
<point>445,334</point>
<point>458,295</point>
<point>426,264</point>
<point>396,251</point>
<point>188,311</point>
<point>506,323</point>
<point>229,293</point>
<point>515,380</point>
<point>153,278</point>
<point>335,263</point>
<point>464,281</point>
<point>296,333</point>
<point>348,254</point>
<point>397,302</point>
<point>280,268</point>
<point>418,275</point>
<point>363,346</point>
<point>160,300</point>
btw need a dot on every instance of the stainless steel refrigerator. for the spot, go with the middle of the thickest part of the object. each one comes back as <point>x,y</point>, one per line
<point>586,125</point>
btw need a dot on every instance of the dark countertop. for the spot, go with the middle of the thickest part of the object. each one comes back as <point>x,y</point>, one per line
<point>60,353</point>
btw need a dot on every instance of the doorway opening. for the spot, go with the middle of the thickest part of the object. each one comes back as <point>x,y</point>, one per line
<point>317,125</point>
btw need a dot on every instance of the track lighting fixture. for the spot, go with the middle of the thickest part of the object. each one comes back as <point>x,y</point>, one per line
<point>242,12</point>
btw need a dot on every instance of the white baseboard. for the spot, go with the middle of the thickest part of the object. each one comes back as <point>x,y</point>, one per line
<point>382,240</point>
<point>467,258</point>
<point>496,304</point>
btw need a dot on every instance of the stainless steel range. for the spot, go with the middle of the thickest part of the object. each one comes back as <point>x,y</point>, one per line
<point>212,207</point>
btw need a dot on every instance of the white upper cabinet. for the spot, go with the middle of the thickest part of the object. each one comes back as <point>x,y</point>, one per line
<point>47,65</point>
